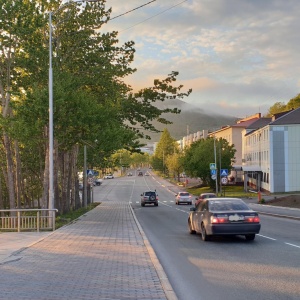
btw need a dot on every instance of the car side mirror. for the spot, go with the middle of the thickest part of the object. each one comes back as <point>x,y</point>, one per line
<point>192,208</point>
<point>141,194</point>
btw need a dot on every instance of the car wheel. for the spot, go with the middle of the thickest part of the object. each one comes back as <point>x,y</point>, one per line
<point>152,198</point>
<point>250,237</point>
<point>156,204</point>
<point>143,204</point>
<point>204,236</point>
<point>191,231</point>
<point>190,203</point>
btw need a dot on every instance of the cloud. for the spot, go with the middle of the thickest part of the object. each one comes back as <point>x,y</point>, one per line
<point>237,56</point>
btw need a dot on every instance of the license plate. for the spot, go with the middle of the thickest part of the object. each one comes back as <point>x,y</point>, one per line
<point>236,218</point>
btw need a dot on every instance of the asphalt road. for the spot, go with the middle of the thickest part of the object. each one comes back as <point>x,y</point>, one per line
<point>224,268</point>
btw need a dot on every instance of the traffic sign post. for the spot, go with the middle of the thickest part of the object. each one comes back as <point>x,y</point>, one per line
<point>224,180</point>
<point>212,166</point>
<point>224,172</point>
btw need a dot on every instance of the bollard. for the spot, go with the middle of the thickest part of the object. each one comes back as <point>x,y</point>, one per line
<point>259,196</point>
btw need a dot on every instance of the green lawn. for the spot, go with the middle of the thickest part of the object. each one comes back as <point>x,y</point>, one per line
<point>227,191</point>
<point>73,215</point>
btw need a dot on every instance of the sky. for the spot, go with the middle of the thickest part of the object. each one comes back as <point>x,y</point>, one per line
<point>238,56</point>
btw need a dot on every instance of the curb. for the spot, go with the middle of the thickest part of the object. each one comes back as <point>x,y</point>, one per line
<point>169,292</point>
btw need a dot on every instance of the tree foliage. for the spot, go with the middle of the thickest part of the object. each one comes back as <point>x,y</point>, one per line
<point>199,155</point>
<point>93,106</point>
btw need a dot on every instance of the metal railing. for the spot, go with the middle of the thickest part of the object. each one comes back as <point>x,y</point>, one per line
<point>27,219</point>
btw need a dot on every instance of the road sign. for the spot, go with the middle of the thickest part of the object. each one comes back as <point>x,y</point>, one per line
<point>224,180</point>
<point>224,172</point>
<point>213,172</point>
<point>212,166</point>
<point>214,177</point>
<point>91,180</point>
<point>90,172</point>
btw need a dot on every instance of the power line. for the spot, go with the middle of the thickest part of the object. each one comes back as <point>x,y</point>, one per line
<point>132,10</point>
<point>154,16</point>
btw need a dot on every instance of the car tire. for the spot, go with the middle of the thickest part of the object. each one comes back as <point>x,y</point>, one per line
<point>250,237</point>
<point>152,198</point>
<point>204,236</point>
<point>155,204</point>
<point>190,203</point>
<point>191,231</point>
<point>143,204</point>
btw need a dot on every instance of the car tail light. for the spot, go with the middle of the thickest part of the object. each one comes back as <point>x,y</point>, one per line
<point>218,220</point>
<point>252,219</point>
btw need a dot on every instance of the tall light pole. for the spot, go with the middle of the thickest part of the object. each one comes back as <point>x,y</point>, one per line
<point>215,153</point>
<point>51,140</point>
<point>51,190</point>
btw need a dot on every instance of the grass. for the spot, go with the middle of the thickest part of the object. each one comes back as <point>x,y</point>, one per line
<point>73,215</point>
<point>227,191</point>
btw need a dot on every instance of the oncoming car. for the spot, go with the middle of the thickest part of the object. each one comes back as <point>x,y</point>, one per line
<point>183,197</point>
<point>109,176</point>
<point>223,216</point>
<point>149,197</point>
<point>204,196</point>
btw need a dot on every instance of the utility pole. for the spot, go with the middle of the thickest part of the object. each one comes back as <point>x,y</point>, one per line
<point>215,152</point>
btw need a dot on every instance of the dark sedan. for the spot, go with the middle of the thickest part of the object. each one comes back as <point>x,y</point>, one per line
<point>223,216</point>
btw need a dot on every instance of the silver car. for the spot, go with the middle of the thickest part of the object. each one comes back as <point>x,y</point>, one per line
<point>183,197</point>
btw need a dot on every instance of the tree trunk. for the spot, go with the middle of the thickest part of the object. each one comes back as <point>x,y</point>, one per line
<point>10,171</point>
<point>18,176</point>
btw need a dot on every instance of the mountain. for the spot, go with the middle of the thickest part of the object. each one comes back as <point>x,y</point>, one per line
<point>190,120</point>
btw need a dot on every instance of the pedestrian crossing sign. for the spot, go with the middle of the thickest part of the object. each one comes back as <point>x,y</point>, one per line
<point>224,172</point>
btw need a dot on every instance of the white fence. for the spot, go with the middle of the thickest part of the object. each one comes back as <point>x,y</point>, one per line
<point>27,219</point>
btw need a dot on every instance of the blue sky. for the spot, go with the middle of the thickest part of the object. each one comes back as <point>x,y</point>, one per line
<point>238,56</point>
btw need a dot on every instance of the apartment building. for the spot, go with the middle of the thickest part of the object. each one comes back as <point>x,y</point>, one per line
<point>271,153</point>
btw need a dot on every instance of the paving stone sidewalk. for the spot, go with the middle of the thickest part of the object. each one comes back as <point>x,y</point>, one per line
<point>102,255</point>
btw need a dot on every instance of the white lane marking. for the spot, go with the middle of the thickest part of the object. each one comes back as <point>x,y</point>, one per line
<point>137,201</point>
<point>292,245</point>
<point>267,237</point>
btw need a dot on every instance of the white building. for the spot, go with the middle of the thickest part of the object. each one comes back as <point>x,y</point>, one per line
<point>271,153</point>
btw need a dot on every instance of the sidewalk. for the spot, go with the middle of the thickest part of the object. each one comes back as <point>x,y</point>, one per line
<point>102,255</point>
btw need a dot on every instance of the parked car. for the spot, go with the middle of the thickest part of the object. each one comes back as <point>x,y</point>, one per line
<point>109,176</point>
<point>223,216</point>
<point>149,197</point>
<point>97,181</point>
<point>183,197</point>
<point>140,173</point>
<point>204,196</point>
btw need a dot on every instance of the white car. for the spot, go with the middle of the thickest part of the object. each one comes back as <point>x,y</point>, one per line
<point>109,176</point>
<point>183,197</point>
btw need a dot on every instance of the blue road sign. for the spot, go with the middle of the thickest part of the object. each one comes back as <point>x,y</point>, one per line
<point>213,172</point>
<point>224,172</point>
<point>90,172</point>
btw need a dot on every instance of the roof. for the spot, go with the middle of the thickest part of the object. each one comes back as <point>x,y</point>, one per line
<point>245,123</point>
<point>262,122</point>
<point>291,117</point>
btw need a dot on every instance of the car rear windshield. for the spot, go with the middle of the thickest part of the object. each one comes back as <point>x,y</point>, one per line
<point>149,193</point>
<point>184,194</point>
<point>227,205</point>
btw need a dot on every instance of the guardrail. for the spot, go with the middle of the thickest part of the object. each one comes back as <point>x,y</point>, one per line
<point>31,219</point>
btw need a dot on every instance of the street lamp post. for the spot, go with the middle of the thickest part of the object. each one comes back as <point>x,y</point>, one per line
<point>51,190</point>
<point>51,139</point>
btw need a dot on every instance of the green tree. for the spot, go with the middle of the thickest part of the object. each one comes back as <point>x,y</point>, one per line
<point>174,164</point>
<point>277,107</point>
<point>92,104</point>
<point>200,154</point>
<point>293,103</point>
<point>165,146</point>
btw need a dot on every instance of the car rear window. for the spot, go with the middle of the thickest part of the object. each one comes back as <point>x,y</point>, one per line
<point>149,193</point>
<point>184,194</point>
<point>227,205</point>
